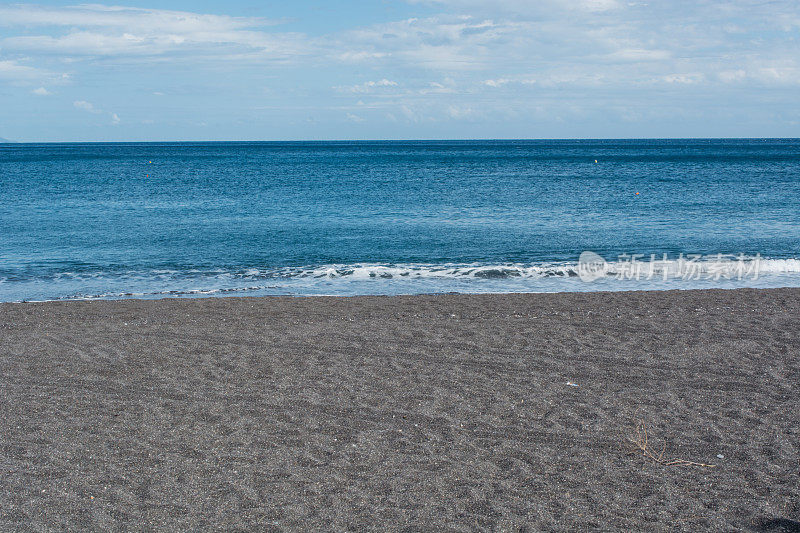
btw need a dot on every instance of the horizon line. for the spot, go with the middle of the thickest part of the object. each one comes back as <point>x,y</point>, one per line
<point>475,139</point>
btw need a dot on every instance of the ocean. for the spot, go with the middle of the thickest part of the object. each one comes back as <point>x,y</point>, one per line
<point>150,220</point>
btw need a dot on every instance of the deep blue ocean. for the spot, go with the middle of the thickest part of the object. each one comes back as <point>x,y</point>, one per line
<point>170,219</point>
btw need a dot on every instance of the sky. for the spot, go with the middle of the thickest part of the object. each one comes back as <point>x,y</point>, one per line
<point>398,69</point>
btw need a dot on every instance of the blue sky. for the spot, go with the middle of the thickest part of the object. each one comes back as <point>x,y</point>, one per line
<point>391,69</point>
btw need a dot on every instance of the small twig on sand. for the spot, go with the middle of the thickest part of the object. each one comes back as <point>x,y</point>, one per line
<point>642,444</point>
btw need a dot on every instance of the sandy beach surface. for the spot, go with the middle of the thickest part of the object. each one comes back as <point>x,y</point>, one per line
<point>446,412</point>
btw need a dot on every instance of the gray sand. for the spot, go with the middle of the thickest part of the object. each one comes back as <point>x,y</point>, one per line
<point>427,412</point>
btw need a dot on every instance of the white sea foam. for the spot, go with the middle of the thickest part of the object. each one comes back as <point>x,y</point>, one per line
<point>411,278</point>
<point>722,265</point>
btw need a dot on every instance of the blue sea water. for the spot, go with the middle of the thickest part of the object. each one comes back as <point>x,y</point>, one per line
<point>168,219</point>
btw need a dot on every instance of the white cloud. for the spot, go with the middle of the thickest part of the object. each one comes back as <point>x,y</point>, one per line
<point>527,7</point>
<point>732,76</point>
<point>436,43</point>
<point>555,78</point>
<point>434,87</point>
<point>683,79</point>
<point>86,106</point>
<point>96,30</point>
<point>470,60</point>
<point>130,18</point>
<point>411,114</point>
<point>91,108</point>
<point>13,70</point>
<point>381,83</point>
<point>783,74</point>
<point>41,91</point>
<point>496,83</point>
<point>638,54</point>
<point>461,112</point>
<point>602,41</point>
<point>367,87</point>
<point>140,25</point>
<point>506,40</point>
<point>357,56</point>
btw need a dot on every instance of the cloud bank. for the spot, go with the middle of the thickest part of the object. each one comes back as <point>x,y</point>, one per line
<point>471,61</point>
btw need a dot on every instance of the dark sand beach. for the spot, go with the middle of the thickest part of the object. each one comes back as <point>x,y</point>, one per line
<point>447,412</point>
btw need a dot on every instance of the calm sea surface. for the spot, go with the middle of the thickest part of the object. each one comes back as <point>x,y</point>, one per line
<point>166,219</point>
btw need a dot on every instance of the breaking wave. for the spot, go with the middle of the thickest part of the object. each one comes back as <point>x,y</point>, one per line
<point>639,273</point>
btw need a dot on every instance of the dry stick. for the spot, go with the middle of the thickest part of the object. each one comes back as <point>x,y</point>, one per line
<point>642,443</point>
